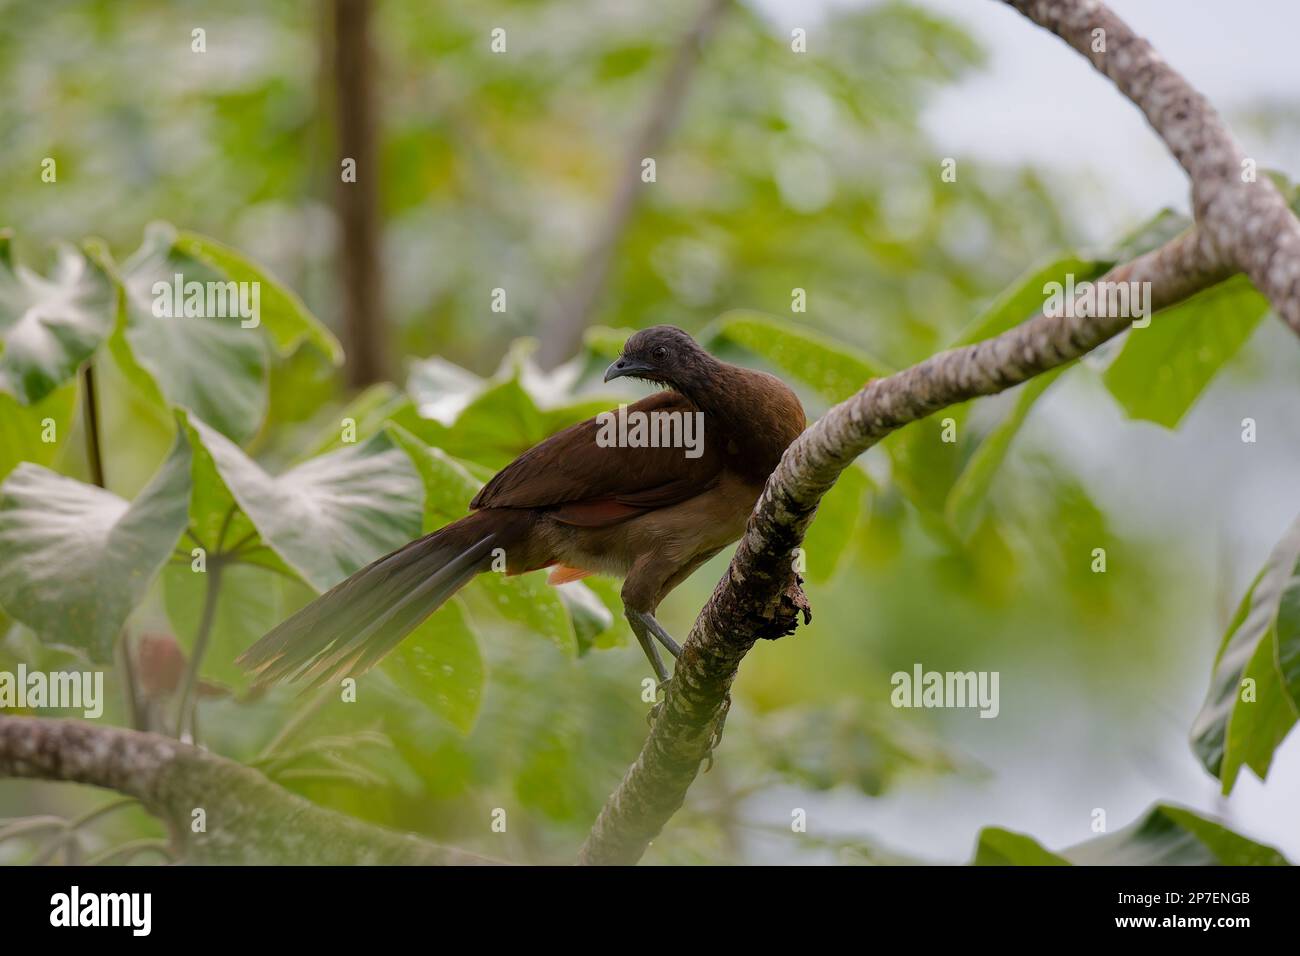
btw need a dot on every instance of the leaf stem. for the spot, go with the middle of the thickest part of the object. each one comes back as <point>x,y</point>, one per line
<point>225,524</point>
<point>90,419</point>
<point>95,461</point>
<point>185,714</point>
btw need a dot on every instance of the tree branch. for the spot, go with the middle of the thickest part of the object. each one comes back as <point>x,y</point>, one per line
<point>248,819</point>
<point>572,313</point>
<point>1241,225</point>
<point>1248,222</point>
<point>357,203</point>
<point>759,596</point>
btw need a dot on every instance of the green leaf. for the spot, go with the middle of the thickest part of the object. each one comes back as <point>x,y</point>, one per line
<point>250,601</point>
<point>954,479</point>
<point>448,487</point>
<point>1164,836</point>
<point>998,847</point>
<point>966,499</point>
<point>368,412</point>
<point>924,466</point>
<point>609,592</point>
<point>1164,226</point>
<point>210,366</point>
<point>836,524</point>
<point>49,326</point>
<point>591,618</point>
<point>75,559</point>
<point>498,426</point>
<point>1025,297</point>
<point>523,598</point>
<point>283,315</point>
<point>834,369</point>
<point>440,666</point>
<point>1262,645</point>
<point>440,389</point>
<point>1165,367</point>
<point>1173,836</point>
<point>325,518</point>
<point>23,427</point>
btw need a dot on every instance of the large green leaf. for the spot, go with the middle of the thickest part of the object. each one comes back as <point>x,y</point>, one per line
<point>948,481</point>
<point>440,389</point>
<point>283,315</point>
<point>954,479</point>
<point>1165,367</point>
<point>212,366</point>
<point>325,518</point>
<point>439,665</point>
<point>367,411</point>
<point>49,326</point>
<point>1164,836</point>
<point>966,499</point>
<point>1024,298</point>
<point>834,369</point>
<point>1262,647</point>
<point>836,524</point>
<point>75,559</point>
<point>250,601</point>
<point>23,427</point>
<point>999,847</point>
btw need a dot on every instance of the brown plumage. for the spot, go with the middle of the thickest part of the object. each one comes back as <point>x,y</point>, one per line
<point>577,505</point>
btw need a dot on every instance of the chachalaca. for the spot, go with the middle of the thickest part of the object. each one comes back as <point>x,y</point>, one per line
<point>578,503</point>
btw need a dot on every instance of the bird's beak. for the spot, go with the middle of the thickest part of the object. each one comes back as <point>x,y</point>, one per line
<point>626,366</point>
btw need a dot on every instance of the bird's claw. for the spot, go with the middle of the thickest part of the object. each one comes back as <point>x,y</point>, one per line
<point>715,733</point>
<point>658,706</point>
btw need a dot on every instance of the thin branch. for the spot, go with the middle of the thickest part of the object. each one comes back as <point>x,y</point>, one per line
<point>563,328</point>
<point>1244,216</point>
<point>247,818</point>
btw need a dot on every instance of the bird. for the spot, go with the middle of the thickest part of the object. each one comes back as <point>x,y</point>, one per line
<point>605,496</point>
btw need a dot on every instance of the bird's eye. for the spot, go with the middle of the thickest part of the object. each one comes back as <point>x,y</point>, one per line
<point>661,352</point>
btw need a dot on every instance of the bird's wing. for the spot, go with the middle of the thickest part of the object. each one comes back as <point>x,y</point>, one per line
<point>588,483</point>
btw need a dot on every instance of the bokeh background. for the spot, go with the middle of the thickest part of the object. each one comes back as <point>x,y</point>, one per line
<point>776,172</point>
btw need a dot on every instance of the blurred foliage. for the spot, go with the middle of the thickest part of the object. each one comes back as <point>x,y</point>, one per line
<point>787,173</point>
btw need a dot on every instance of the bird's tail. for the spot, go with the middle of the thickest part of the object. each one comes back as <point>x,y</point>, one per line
<point>351,626</point>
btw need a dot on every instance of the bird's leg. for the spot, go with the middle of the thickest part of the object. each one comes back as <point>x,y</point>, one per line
<point>657,629</point>
<point>636,619</point>
<point>646,629</point>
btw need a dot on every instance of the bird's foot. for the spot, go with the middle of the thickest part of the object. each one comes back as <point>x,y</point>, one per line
<point>715,732</point>
<point>658,706</point>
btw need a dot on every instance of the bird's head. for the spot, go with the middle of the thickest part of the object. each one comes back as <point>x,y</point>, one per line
<point>663,354</point>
